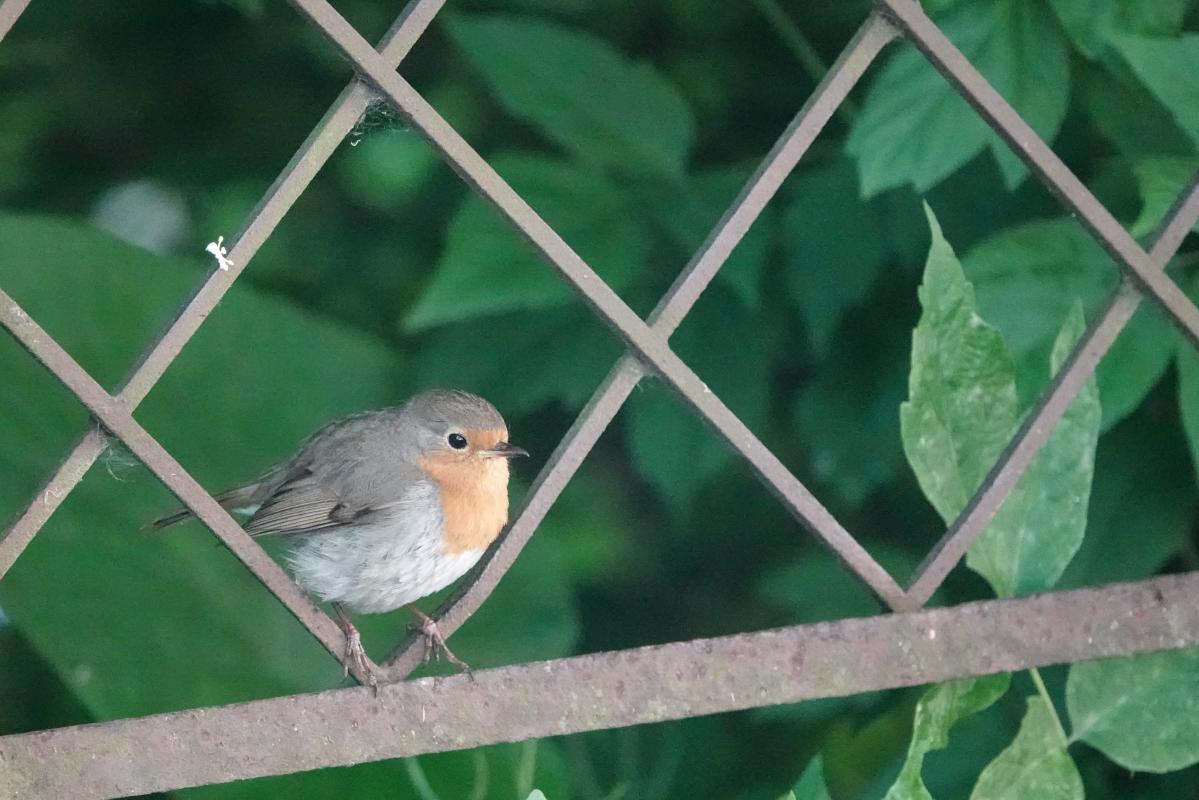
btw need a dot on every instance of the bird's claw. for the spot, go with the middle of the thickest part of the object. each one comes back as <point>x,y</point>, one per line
<point>435,645</point>
<point>356,656</point>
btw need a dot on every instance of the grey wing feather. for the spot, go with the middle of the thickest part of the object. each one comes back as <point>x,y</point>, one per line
<point>334,480</point>
<point>299,506</point>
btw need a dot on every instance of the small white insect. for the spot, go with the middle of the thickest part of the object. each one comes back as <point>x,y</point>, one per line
<point>219,252</point>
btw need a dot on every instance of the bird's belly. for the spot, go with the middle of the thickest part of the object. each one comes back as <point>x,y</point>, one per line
<point>376,569</point>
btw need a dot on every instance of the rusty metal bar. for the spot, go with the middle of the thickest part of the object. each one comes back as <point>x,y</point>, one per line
<point>1038,424</point>
<point>608,399</point>
<point>605,690</point>
<point>114,416</point>
<point>1044,163</point>
<point>338,121</point>
<point>648,346</point>
<point>10,11</point>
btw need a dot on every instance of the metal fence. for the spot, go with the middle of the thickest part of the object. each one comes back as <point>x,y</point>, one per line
<point>351,725</point>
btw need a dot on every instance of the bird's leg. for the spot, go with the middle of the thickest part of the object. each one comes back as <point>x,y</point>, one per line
<point>434,641</point>
<point>355,653</point>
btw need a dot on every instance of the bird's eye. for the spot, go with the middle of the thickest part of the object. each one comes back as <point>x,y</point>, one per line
<point>456,440</point>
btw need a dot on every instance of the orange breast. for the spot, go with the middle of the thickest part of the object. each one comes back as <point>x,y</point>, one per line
<point>474,499</point>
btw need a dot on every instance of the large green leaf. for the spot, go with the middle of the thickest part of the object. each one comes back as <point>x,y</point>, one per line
<point>1143,504</point>
<point>810,785</point>
<point>961,405</point>
<point>579,91</point>
<point>1142,125</point>
<point>1188,397</point>
<point>962,410</point>
<point>835,243</point>
<point>518,365</point>
<point>487,268</point>
<point>915,129</point>
<point>1141,711</point>
<point>939,709</point>
<point>154,623</point>
<point>1029,276</point>
<point>730,348</point>
<point>1091,23</point>
<point>845,415</point>
<point>1036,763</point>
<point>1160,180</point>
<point>692,211</point>
<point>1040,526</point>
<point>1167,67</point>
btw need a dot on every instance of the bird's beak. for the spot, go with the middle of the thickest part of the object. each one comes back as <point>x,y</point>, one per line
<point>504,450</point>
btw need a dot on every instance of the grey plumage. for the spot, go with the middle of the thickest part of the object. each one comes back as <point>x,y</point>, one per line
<point>353,470</point>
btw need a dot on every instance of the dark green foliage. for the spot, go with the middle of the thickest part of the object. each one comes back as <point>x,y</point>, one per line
<point>630,127</point>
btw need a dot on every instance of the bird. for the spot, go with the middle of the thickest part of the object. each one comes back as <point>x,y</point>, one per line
<point>384,507</point>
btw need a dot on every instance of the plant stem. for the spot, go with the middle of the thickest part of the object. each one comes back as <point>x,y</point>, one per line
<point>419,781</point>
<point>803,50</point>
<point>1041,690</point>
<point>482,777</point>
<point>526,768</point>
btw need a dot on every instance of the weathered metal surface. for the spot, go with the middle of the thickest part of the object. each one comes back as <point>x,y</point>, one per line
<point>629,687</point>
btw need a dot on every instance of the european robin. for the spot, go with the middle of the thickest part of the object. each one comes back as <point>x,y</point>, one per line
<point>385,507</point>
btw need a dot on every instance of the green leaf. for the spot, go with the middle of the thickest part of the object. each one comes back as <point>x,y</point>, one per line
<point>1188,396</point>
<point>939,709</point>
<point>521,367</point>
<point>845,415</point>
<point>1036,763</point>
<point>1091,23</point>
<point>1040,526</point>
<point>1028,277</point>
<point>1141,711</point>
<point>1160,180</point>
<point>915,129</point>
<point>385,171</point>
<point>694,208</point>
<point>835,246</point>
<point>1152,17</point>
<point>730,348</point>
<point>811,784</point>
<point>816,587</point>
<point>487,268</point>
<point>579,91</point>
<point>167,621</point>
<point>961,405</point>
<point>1135,363</point>
<point>962,410</point>
<point>1087,23</point>
<point>1143,504</point>
<point>1167,68</point>
<point>1143,125</point>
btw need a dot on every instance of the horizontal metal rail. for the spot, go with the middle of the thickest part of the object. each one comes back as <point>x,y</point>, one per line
<point>606,690</point>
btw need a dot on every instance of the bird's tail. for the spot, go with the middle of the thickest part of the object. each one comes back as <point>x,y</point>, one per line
<point>232,499</point>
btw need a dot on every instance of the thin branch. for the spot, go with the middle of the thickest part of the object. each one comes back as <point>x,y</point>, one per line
<point>803,50</point>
